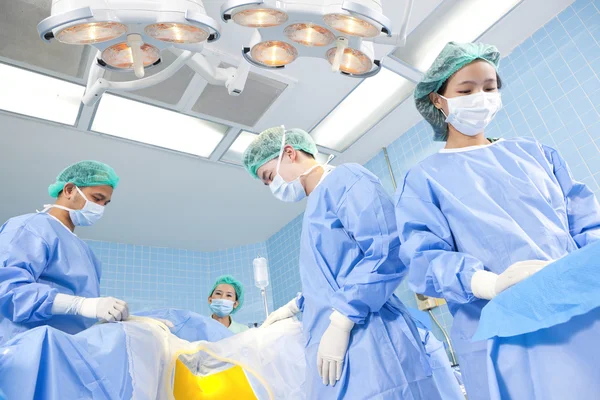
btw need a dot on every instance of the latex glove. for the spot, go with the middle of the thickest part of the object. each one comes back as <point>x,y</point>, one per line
<point>487,285</point>
<point>106,309</point>
<point>287,311</point>
<point>333,348</point>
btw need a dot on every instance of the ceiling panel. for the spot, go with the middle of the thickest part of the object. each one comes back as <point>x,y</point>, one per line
<point>168,91</point>
<point>20,41</point>
<point>144,123</point>
<point>246,109</point>
<point>40,96</point>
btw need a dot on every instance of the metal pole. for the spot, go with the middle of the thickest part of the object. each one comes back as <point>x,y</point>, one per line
<point>450,347</point>
<point>387,160</point>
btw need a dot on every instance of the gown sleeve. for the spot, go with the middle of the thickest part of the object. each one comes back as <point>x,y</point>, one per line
<point>435,267</point>
<point>23,258</point>
<point>367,214</point>
<point>583,210</point>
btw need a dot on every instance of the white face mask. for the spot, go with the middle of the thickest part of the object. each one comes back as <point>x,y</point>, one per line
<point>288,192</point>
<point>471,114</point>
<point>87,216</point>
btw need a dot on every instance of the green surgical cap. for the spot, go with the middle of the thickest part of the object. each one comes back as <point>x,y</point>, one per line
<point>267,146</point>
<point>237,286</point>
<point>84,174</point>
<point>453,57</point>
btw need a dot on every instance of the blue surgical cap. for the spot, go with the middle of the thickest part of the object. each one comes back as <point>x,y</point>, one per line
<point>452,58</point>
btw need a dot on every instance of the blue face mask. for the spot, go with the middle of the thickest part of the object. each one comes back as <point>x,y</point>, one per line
<point>221,307</point>
<point>86,216</point>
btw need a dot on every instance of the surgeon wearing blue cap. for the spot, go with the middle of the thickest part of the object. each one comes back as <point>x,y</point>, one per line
<point>361,342</point>
<point>482,215</point>
<point>49,276</point>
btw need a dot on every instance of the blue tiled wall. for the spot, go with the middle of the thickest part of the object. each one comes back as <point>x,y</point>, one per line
<point>284,252</point>
<point>151,278</point>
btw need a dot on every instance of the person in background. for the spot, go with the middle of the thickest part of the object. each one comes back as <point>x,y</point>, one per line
<point>483,214</point>
<point>226,298</point>
<point>361,342</point>
<point>49,276</point>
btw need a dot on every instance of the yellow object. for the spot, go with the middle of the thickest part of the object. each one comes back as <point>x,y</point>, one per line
<point>229,384</point>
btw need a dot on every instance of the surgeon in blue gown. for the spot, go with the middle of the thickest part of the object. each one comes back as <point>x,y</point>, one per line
<point>48,276</point>
<point>482,215</point>
<point>361,342</point>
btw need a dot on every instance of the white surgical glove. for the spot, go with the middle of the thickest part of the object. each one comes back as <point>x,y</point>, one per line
<point>106,309</point>
<point>333,348</point>
<point>487,285</point>
<point>287,311</point>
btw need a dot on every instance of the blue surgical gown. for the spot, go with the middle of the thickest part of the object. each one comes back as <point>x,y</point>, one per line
<point>349,262</point>
<point>40,257</point>
<point>485,208</point>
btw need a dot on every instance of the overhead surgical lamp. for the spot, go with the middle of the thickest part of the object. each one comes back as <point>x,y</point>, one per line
<point>130,36</point>
<point>339,31</point>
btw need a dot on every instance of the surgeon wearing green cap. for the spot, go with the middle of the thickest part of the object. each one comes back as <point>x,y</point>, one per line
<point>226,298</point>
<point>360,340</point>
<point>482,215</point>
<point>49,276</point>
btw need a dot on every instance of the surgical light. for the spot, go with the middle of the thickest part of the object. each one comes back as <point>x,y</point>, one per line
<point>177,33</point>
<point>150,27</point>
<point>260,18</point>
<point>351,25</point>
<point>90,33</point>
<point>309,34</point>
<point>120,55</point>
<point>353,61</point>
<point>274,53</point>
<point>132,34</point>
<point>314,24</point>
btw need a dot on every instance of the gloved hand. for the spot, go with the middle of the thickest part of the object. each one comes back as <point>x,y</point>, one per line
<point>487,285</point>
<point>333,348</point>
<point>287,311</point>
<point>106,309</point>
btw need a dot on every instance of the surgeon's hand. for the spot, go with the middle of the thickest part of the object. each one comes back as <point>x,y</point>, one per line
<point>287,311</point>
<point>333,348</point>
<point>487,285</point>
<point>106,309</point>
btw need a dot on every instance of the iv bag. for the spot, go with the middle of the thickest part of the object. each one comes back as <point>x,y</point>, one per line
<point>261,272</point>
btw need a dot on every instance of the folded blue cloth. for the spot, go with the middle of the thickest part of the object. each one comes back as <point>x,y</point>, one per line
<point>564,289</point>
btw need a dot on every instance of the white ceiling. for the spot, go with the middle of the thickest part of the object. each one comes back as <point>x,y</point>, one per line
<point>175,200</point>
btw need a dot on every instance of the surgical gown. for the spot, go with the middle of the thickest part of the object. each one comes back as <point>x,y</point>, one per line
<point>40,257</point>
<point>485,208</point>
<point>349,262</point>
